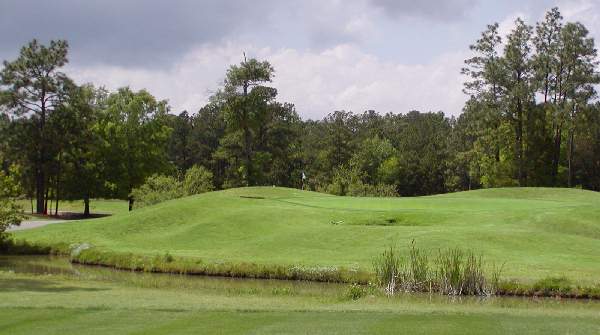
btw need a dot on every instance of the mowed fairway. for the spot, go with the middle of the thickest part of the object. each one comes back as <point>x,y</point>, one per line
<point>537,232</point>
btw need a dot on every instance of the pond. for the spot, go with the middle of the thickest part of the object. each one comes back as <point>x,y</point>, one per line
<point>60,266</point>
<point>54,265</point>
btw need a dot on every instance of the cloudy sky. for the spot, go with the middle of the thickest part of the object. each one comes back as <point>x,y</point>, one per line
<point>386,55</point>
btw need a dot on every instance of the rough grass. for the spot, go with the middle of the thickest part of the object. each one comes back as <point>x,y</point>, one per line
<point>186,265</point>
<point>536,232</point>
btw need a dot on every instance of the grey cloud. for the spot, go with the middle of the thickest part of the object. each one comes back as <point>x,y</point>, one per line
<point>448,10</point>
<point>126,32</point>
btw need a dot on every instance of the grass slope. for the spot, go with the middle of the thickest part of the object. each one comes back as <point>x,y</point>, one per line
<point>537,231</point>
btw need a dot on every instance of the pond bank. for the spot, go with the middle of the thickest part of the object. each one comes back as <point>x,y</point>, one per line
<point>557,287</point>
<point>50,295</point>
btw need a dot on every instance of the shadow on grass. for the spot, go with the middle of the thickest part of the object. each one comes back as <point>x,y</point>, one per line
<point>41,285</point>
<point>67,216</point>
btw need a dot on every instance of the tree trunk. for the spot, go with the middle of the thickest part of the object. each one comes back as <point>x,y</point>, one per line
<point>556,154</point>
<point>546,89</point>
<point>57,194</point>
<point>130,199</point>
<point>570,158</point>
<point>248,157</point>
<point>39,189</point>
<point>247,141</point>
<point>86,205</point>
<point>40,178</point>
<point>519,145</point>
<point>47,193</point>
<point>57,183</point>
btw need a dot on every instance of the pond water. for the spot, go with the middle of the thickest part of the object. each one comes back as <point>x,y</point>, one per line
<point>53,265</point>
<point>60,266</point>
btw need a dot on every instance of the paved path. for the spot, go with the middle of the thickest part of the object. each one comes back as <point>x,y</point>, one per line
<point>30,224</point>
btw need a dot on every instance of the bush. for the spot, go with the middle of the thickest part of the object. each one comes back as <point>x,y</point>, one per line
<point>349,181</point>
<point>10,212</point>
<point>198,180</point>
<point>355,292</point>
<point>157,189</point>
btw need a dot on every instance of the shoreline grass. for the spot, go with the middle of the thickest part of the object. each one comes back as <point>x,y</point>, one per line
<point>360,281</point>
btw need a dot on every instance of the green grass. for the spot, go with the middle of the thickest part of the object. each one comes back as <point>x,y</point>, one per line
<point>99,301</point>
<point>139,321</point>
<point>538,232</point>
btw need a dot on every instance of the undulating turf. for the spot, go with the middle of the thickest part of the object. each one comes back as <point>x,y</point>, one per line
<point>537,232</point>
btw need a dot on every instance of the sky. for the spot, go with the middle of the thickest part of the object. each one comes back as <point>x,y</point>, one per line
<point>355,55</point>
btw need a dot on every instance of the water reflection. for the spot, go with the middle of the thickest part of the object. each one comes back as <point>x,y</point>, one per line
<point>48,265</point>
<point>60,266</point>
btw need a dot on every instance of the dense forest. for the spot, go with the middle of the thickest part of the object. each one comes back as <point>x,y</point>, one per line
<point>532,119</point>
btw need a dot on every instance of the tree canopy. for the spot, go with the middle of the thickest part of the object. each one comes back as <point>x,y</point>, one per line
<point>531,119</point>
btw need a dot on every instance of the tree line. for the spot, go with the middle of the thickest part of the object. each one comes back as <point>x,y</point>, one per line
<point>532,119</point>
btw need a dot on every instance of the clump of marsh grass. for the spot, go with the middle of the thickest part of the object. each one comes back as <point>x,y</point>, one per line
<point>449,272</point>
<point>418,273</point>
<point>453,272</point>
<point>388,268</point>
<point>463,273</point>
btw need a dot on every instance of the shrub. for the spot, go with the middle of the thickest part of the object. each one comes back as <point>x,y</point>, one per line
<point>157,189</point>
<point>198,180</point>
<point>10,212</point>
<point>349,181</point>
<point>355,292</point>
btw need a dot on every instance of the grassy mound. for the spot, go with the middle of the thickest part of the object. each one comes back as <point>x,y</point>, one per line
<point>538,232</point>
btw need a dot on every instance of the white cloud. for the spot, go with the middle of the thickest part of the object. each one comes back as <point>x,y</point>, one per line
<point>585,11</point>
<point>342,77</point>
<point>506,26</point>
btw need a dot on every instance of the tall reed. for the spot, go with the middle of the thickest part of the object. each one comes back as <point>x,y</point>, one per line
<point>452,272</point>
<point>387,269</point>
